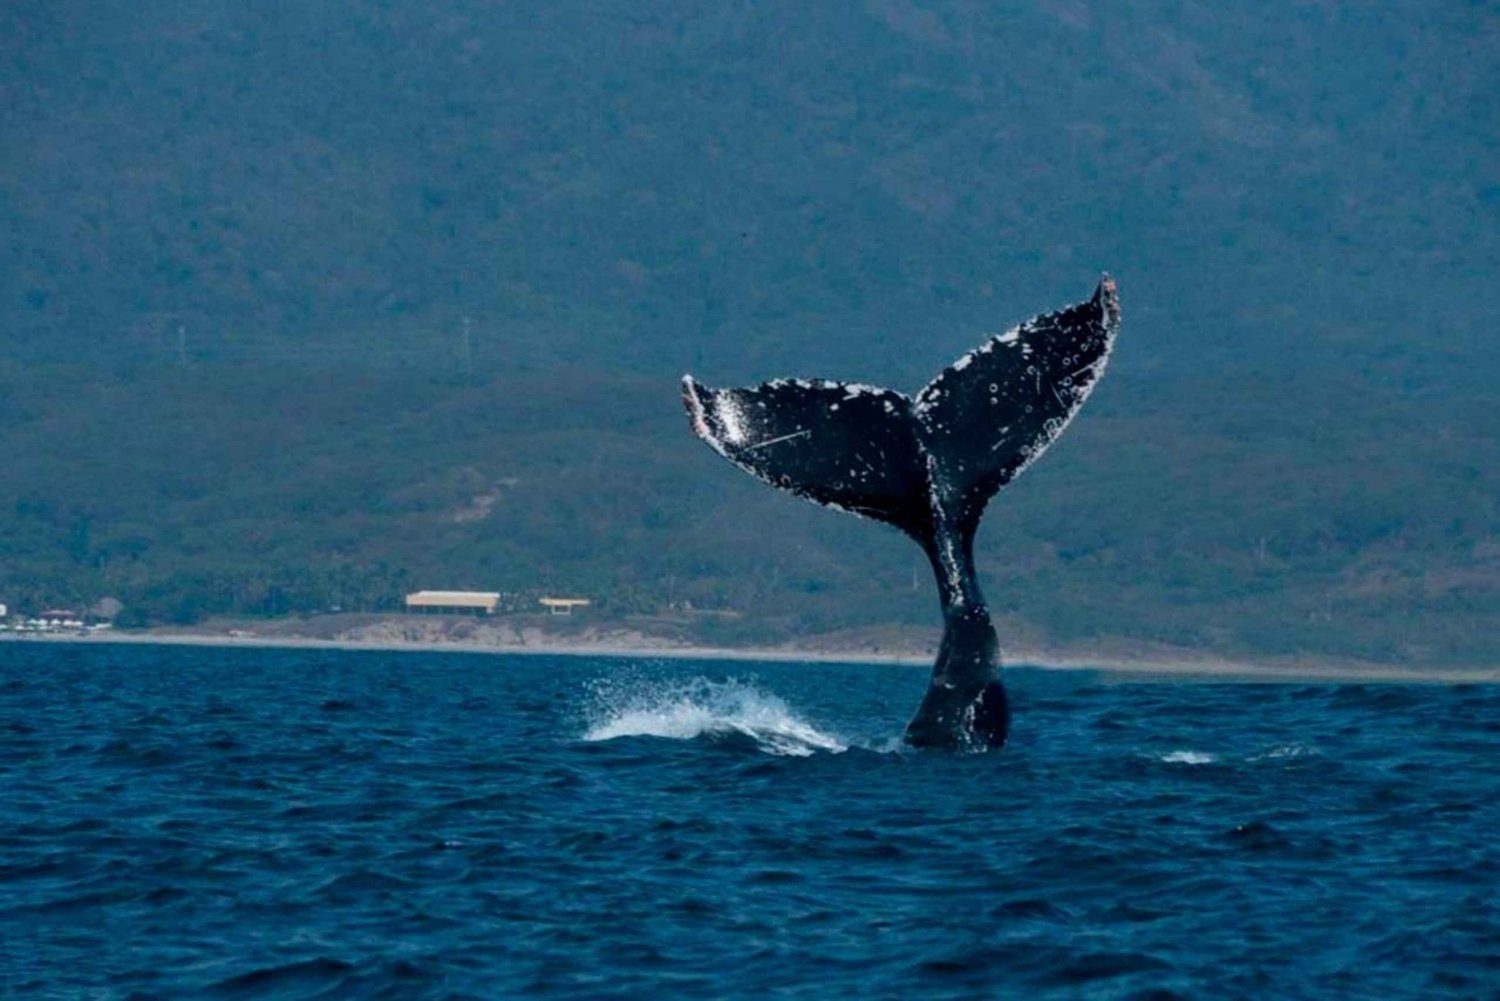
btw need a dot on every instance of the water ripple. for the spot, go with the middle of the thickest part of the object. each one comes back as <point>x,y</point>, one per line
<point>179,822</point>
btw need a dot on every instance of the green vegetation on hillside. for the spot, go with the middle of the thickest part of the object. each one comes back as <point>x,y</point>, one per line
<point>303,308</point>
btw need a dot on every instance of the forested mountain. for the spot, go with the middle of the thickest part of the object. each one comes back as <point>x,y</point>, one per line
<point>303,304</point>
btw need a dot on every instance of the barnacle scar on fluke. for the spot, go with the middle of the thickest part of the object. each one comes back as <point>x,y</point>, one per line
<point>928,465</point>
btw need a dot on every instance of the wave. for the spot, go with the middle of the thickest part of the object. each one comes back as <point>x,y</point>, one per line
<point>1282,753</point>
<point>1285,752</point>
<point>716,710</point>
<point>1188,758</point>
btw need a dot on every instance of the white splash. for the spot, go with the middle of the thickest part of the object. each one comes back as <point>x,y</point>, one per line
<point>702,708</point>
<point>1188,758</point>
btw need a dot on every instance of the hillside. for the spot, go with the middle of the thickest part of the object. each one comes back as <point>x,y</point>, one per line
<point>304,306</point>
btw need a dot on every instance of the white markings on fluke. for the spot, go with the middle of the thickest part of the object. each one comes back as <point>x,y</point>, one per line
<point>727,409</point>
<point>779,439</point>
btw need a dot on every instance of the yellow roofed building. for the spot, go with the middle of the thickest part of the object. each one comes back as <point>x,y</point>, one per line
<point>472,602</point>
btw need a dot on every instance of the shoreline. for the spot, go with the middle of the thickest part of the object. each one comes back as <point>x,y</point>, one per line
<point>1184,667</point>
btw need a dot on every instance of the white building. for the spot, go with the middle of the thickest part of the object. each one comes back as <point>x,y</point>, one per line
<point>563,606</point>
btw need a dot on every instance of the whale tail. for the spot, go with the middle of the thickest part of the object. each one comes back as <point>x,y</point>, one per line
<point>927,465</point>
<point>910,461</point>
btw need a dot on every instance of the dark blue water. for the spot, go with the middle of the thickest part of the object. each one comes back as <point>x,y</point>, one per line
<point>180,821</point>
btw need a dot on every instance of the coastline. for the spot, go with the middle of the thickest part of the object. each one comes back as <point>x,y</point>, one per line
<point>1185,665</point>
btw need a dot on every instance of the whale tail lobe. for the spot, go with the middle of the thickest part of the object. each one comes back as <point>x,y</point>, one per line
<point>845,446</point>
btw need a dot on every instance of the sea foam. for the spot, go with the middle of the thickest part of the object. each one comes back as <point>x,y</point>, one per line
<point>699,707</point>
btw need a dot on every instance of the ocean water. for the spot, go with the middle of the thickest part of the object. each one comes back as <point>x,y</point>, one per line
<point>275,823</point>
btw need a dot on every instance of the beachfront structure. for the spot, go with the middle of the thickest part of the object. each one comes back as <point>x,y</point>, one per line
<point>563,606</point>
<point>470,602</point>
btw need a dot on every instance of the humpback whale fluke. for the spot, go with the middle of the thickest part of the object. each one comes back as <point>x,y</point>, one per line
<point>928,465</point>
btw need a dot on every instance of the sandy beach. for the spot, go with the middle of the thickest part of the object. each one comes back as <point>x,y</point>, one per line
<point>1165,665</point>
